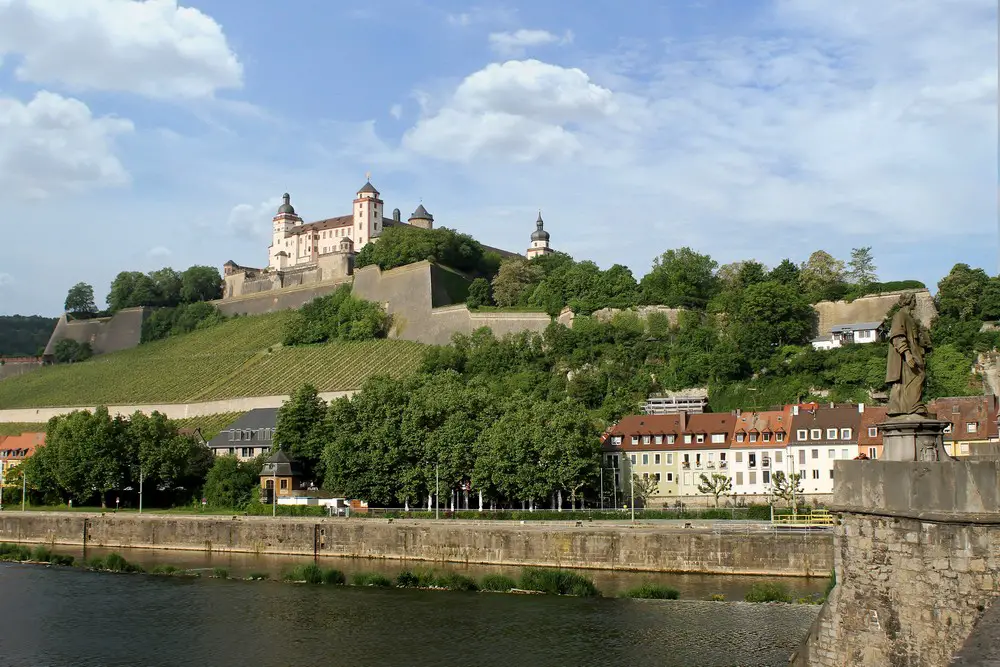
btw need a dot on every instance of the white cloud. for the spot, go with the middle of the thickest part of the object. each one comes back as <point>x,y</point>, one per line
<point>152,47</point>
<point>515,43</point>
<point>480,15</point>
<point>396,111</point>
<point>54,144</point>
<point>159,252</point>
<point>253,221</point>
<point>520,110</point>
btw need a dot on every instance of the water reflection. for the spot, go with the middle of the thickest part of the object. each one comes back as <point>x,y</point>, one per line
<point>65,616</point>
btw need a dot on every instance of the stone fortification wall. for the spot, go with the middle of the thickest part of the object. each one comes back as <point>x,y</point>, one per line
<point>562,544</point>
<point>870,309</point>
<point>171,410</point>
<point>18,366</point>
<point>241,281</point>
<point>605,314</point>
<point>274,300</point>
<point>917,557</point>
<point>121,331</point>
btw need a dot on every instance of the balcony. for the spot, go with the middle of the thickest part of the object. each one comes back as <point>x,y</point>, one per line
<point>723,465</point>
<point>710,465</point>
<point>686,465</point>
<point>766,463</point>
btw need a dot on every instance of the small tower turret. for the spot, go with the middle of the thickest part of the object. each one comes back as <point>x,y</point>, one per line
<point>539,240</point>
<point>283,222</point>
<point>421,218</point>
<point>367,215</point>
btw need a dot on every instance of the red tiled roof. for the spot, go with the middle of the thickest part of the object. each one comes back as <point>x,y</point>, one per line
<point>767,421</point>
<point>870,418</point>
<point>708,423</point>
<point>962,410</point>
<point>26,442</point>
<point>824,417</point>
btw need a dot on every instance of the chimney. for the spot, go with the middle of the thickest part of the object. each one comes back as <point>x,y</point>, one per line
<point>683,417</point>
<point>737,412</point>
<point>795,410</point>
<point>861,408</point>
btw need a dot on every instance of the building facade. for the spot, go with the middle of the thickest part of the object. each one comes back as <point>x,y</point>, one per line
<point>14,449</point>
<point>821,435</point>
<point>539,240</point>
<point>972,421</point>
<point>858,333</point>
<point>758,450</point>
<point>251,435</point>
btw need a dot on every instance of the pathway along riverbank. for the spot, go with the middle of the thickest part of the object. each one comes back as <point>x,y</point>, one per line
<point>644,546</point>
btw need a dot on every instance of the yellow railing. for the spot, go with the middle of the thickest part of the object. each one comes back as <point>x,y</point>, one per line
<point>813,518</point>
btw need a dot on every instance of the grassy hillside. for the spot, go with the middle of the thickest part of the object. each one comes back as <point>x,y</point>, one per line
<point>241,357</point>
<point>16,428</point>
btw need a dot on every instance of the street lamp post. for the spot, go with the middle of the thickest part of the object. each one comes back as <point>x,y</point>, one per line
<point>24,489</point>
<point>1,487</point>
<point>602,488</point>
<point>274,489</point>
<point>140,489</point>
<point>631,481</point>
<point>437,492</point>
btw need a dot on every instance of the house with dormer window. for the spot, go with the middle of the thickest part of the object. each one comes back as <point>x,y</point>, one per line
<point>251,435</point>
<point>819,435</point>
<point>758,450</point>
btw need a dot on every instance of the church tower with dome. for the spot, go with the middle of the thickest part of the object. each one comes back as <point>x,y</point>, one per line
<point>539,240</point>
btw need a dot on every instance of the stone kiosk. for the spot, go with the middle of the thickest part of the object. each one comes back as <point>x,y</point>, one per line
<point>917,543</point>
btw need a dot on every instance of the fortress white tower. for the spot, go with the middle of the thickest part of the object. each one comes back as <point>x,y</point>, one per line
<point>539,240</point>
<point>367,215</point>
<point>282,223</point>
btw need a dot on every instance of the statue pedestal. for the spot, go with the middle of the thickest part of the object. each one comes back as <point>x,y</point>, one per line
<point>913,438</point>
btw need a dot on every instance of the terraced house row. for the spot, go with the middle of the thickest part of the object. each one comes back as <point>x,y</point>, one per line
<point>749,447</point>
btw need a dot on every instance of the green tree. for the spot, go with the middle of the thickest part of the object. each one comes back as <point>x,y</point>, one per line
<point>785,487</point>
<point>200,283</point>
<point>166,287</point>
<point>337,316</point>
<point>862,267</point>
<point>716,486</point>
<point>785,273</point>
<point>680,278</point>
<point>130,289</point>
<point>989,300</point>
<point>68,351</point>
<point>231,483</point>
<point>822,277</point>
<point>405,244</point>
<point>162,458</point>
<point>515,281</point>
<point>80,300</point>
<point>299,429</point>
<point>479,293</point>
<point>644,488</point>
<point>770,316</point>
<point>949,373</point>
<point>959,292</point>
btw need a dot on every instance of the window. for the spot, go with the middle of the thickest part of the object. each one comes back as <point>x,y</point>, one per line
<point>815,474</point>
<point>815,453</point>
<point>777,457</point>
<point>739,437</point>
<point>687,459</point>
<point>831,453</point>
<point>801,434</point>
<point>670,476</point>
<point>700,437</point>
<point>971,427</point>
<point>963,448</point>
<point>231,435</point>
<point>802,457</point>
<point>739,457</point>
<point>831,473</point>
<point>739,479</point>
<point>873,431</point>
<point>238,434</point>
<point>766,437</point>
<point>872,453</point>
<point>645,439</point>
<point>753,437</point>
<point>767,477</point>
<point>645,459</point>
<point>645,475</point>
<point>947,429</point>
<point>722,456</point>
<point>687,439</point>
<point>697,460</point>
<point>656,459</point>
<point>718,438</point>
<point>635,440</point>
<point>845,434</point>
<point>843,454</point>
<point>753,477</point>
<point>711,456</point>
<point>247,434</point>
<point>779,437</point>
<point>831,434</point>
<point>658,440</point>
<point>632,459</point>
<point>657,476</point>
<point>284,484</point>
<point>817,434</point>
<point>616,440</point>
<point>670,459</point>
<point>246,452</point>
<point>670,439</point>
<point>687,479</point>
<point>752,460</point>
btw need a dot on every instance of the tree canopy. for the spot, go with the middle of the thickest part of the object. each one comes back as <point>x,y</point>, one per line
<point>404,244</point>
<point>23,336</point>
<point>80,300</point>
<point>164,287</point>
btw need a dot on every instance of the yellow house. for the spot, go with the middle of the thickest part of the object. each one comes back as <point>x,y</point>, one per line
<point>279,472</point>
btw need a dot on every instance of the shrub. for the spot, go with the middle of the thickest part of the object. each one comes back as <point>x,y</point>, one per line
<point>457,582</point>
<point>41,554</point>
<point>165,570</point>
<point>768,592</point>
<point>258,576</point>
<point>407,579</point>
<point>15,552</point>
<point>717,597</point>
<point>113,562</point>
<point>60,559</point>
<point>334,577</point>
<point>220,573</point>
<point>311,574</point>
<point>498,583</point>
<point>370,579</point>
<point>651,592</point>
<point>557,582</point>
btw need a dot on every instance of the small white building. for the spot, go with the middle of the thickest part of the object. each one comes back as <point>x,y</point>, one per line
<point>846,334</point>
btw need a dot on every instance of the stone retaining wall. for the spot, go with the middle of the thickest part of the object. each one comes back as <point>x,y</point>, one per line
<point>643,547</point>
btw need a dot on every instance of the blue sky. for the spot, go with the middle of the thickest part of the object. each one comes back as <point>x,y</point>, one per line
<point>135,135</point>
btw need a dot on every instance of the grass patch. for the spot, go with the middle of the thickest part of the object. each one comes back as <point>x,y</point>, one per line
<point>767,592</point>
<point>17,428</point>
<point>113,562</point>
<point>314,574</point>
<point>716,597</point>
<point>42,554</point>
<point>651,592</point>
<point>497,583</point>
<point>557,582</point>
<point>371,579</point>
<point>454,581</point>
<point>14,552</point>
<point>167,570</point>
<point>334,577</point>
<point>220,573</point>
<point>258,576</point>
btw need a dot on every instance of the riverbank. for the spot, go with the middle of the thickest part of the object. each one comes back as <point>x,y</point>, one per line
<point>645,547</point>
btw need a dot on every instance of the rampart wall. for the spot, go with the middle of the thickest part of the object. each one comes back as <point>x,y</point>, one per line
<point>12,367</point>
<point>559,544</point>
<point>121,331</point>
<point>872,308</point>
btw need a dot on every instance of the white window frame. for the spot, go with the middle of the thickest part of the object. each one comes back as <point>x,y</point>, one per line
<point>658,439</point>
<point>845,434</point>
<point>971,427</point>
<point>779,437</point>
<point>816,434</point>
<point>635,440</point>
<point>831,434</point>
<point>802,434</point>
<point>645,439</point>
<point>753,437</point>
<point>718,438</point>
<point>740,437</point>
<point>671,439</point>
<point>645,459</point>
<point>873,431</point>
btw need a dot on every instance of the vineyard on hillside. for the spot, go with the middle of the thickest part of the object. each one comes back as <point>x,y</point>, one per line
<point>241,357</point>
<point>17,428</point>
<point>209,425</point>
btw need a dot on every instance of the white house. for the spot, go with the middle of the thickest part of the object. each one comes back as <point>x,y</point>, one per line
<point>845,334</point>
<point>821,435</point>
<point>758,450</point>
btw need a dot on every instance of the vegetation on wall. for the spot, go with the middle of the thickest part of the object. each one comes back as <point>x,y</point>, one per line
<point>405,244</point>
<point>182,319</point>
<point>24,336</point>
<point>336,316</point>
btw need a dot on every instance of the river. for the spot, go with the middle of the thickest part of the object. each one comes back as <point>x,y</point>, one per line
<point>62,617</point>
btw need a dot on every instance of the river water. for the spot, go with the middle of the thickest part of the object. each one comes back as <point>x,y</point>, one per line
<point>63,617</point>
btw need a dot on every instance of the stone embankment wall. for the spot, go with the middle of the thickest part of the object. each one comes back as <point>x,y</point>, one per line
<point>278,299</point>
<point>642,547</point>
<point>171,410</point>
<point>917,558</point>
<point>121,331</point>
<point>872,308</point>
<point>12,367</point>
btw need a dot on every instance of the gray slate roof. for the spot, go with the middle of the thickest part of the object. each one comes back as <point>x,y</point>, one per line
<point>280,465</point>
<point>368,187</point>
<point>857,326</point>
<point>421,214</point>
<point>256,420</point>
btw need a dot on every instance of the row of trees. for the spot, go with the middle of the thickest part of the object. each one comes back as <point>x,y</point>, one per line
<point>165,288</point>
<point>405,244</point>
<point>24,336</point>
<point>337,316</point>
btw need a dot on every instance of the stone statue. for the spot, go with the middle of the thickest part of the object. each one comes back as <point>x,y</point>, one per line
<point>906,369</point>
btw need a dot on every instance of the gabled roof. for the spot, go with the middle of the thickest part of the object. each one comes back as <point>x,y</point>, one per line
<point>871,418</point>
<point>962,410</point>
<point>21,446</point>
<point>767,421</point>
<point>257,418</point>
<point>857,326</point>
<point>708,423</point>
<point>824,417</point>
